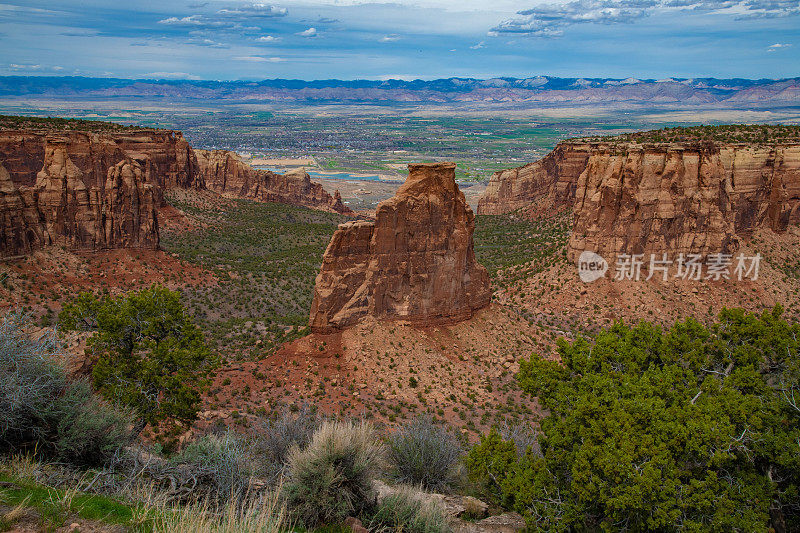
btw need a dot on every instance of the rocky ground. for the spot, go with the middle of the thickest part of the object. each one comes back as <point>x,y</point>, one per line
<point>557,298</point>
<point>44,280</point>
<point>389,372</point>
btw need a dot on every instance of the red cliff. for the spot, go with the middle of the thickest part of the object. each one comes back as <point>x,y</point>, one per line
<point>85,189</point>
<point>675,197</point>
<point>63,207</point>
<point>226,173</point>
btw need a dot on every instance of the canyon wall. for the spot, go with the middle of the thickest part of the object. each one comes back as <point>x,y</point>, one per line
<point>692,197</point>
<point>226,173</point>
<point>165,155</point>
<point>541,188</point>
<point>92,190</point>
<point>415,262</point>
<point>60,209</point>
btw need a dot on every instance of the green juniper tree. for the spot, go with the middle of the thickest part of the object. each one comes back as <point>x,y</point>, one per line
<point>150,356</point>
<point>694,429</point>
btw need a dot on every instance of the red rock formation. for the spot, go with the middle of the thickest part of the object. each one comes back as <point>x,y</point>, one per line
<point>18,227</point>
<point>542,188</point>
<point>682,198</point>
<point>414,263</point>
<point>654,198</point>
<point>169,159</point>
<point>224,172</point>
<point>96,190</point>
<point>61,209</point>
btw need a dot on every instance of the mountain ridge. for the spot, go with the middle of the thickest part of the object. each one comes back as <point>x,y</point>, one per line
<point>539,89</point>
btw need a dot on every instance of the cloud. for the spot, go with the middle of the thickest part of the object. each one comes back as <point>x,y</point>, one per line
<point>170,76</point>
<point>17,66</point>
<point>30,67</point>
<point>310,32</point>
<point>254,10</point>
<point>204,41</point>
<point>777,46</point>
<point>259,59</point>
<point>550,19</point>
<point>192,21</point>
<point>268,39</point>
<point>389,38</point>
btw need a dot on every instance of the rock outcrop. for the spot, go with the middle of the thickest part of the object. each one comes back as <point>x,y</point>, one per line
<point>537,189</point>
<point>61,209</point>
<point>92,190</point>
<point>691,197</point>
<point>166,156</point>
<point>226,173</point>
<point>414,263</point>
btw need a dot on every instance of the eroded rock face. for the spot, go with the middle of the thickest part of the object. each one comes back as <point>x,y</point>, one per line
<point>170,160</point>
<point>100,190</point>
<point>654,198</point>
<point>414,263</point>
<point>683,198</point>
<point>18,222</point>
<point>537,189</point>
<point>61,209</point>
<point>224,172</point>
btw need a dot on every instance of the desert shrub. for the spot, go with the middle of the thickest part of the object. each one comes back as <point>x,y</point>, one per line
<point>42,410</point>
<point>89,430</point>
<point>275,437</point>
<point>410,511</point>
<point>331,478</point>
<point>523,435</point>
<point>423,453</point>
<point>693,428</point>
<point>218,463</point>
<point>151,356</point>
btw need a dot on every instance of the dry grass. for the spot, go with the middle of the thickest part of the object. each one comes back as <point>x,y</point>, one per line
<point>265,515</point>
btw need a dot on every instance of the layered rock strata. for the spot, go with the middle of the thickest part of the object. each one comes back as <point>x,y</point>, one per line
<point>101,190</point>
<point>676,198</point>
<point>541,188</point>
<point>226,173</point>
<point>60,209</point>
<point>415,262</point>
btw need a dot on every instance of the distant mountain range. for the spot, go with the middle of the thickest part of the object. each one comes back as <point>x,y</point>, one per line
<point>540,89</point>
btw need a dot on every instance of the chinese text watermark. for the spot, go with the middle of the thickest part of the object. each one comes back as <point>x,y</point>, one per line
<point>693,267</point>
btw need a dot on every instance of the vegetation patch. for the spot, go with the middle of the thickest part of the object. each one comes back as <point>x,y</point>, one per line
<point>692,428</point>
<point>266,257</point>
<point>728,133</point>
<point>61,124</point>
<point>513,248</point>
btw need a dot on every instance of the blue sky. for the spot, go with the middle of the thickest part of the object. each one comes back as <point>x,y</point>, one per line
<point>348,39</point>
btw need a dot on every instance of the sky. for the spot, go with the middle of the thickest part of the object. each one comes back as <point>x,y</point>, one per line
<point>404,39</point>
